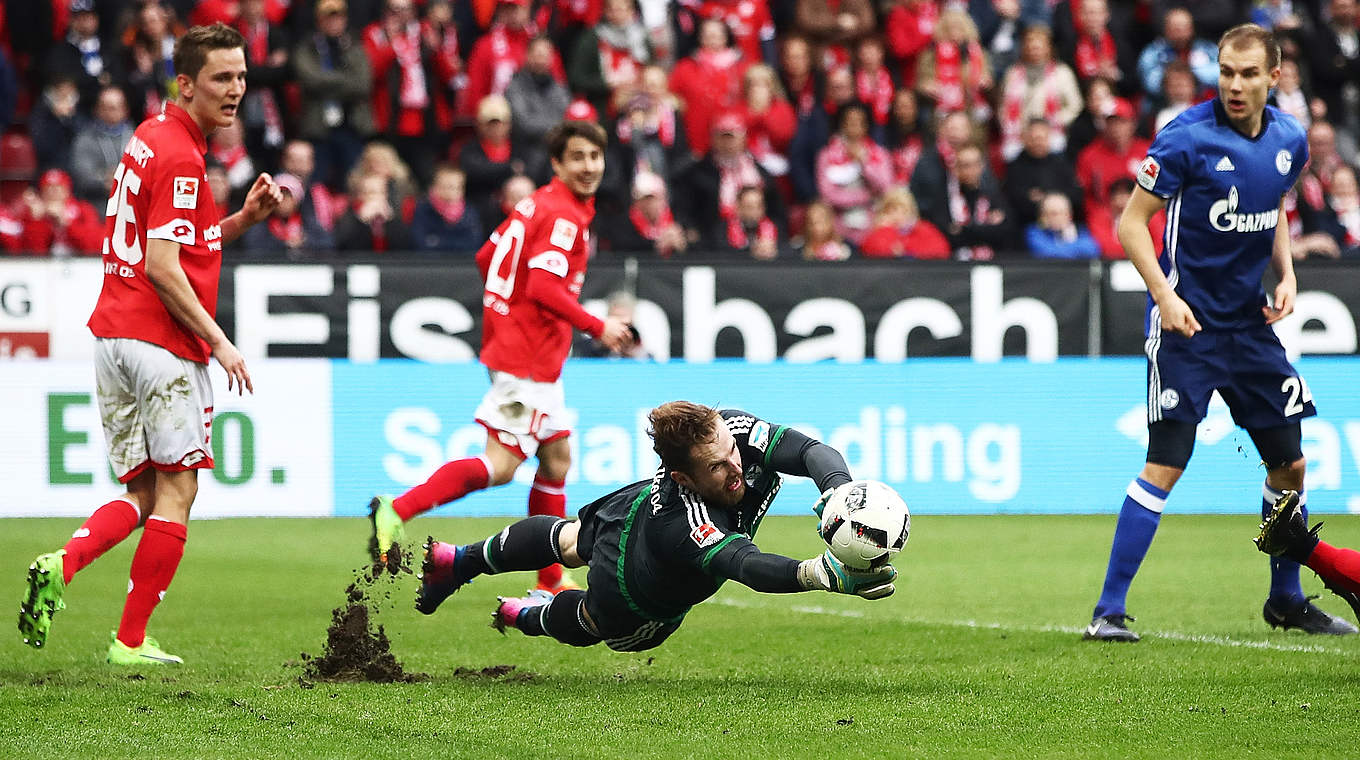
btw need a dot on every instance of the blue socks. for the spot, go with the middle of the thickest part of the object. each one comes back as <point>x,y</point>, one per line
<point>1284,573</point>
<point>1138,520</point>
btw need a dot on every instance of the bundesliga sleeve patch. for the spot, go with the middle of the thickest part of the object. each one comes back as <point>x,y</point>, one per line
<point>563,234</point>
<point>760,435</point>
<point>1147,173</point>
<point>177,230</point>
<point>705,535</point>
<point>186,192</point>
<point>550,261</point>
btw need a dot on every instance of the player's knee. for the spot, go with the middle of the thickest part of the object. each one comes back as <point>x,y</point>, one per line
<point>503,473</point>
<point>1170,443</point>
<point>566,544</point>
<point>565,620</point>
<point>1289,474</point>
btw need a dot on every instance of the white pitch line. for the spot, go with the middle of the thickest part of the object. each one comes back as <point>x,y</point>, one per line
<point>1193,638</point>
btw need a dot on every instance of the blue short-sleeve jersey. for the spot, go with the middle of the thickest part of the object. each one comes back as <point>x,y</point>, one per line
<point>1223,193</point>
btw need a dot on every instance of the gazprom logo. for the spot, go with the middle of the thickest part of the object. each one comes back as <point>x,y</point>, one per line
<point>1224,217</point>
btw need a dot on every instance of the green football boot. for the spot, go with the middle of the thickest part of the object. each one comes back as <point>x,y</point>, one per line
<point>45,588</point>
<point>149,653</point>
<point>387,528</point>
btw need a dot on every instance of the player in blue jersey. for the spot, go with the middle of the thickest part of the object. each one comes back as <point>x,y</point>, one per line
<point>1221,169</point>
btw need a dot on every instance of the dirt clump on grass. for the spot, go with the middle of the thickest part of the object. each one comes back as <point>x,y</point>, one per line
<point>355,651</point>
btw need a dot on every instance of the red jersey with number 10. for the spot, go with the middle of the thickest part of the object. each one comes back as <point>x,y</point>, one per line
<point>526,331</point>
<point>160,192</point>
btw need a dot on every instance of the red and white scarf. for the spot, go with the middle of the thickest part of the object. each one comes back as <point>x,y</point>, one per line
<point>732,177</point>
<point>740,239</point>
<point>652,230</point>
<point>1013,103</point>
<point>285,230</point>
<point>257,48</point>
<point>1094,54</point>
<point>905,157</point>
<point>450,211</point>
<point>954,93</point>
<point>875,89</point>
<point>961,213</point>
<point>414,94</point>
<point>660,121</point>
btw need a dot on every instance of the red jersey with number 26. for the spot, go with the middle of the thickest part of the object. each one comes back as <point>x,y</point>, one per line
<point>160,192</point>
<point>533,267</point>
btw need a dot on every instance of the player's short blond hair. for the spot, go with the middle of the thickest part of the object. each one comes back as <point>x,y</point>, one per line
<point>1244,36</point>
<point>191,50</point>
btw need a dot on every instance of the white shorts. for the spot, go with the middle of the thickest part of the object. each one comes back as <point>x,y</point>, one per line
<point>524,414</point>
<point>156,407</point>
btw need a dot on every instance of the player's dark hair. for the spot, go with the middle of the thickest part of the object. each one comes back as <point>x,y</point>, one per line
<point>1243,36</point>
<point>676,426</point>
<point>559,135</point>
<point>191,50</point>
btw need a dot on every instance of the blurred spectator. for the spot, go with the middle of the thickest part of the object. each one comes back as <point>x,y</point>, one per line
<point>1094,51</point>
<point>815,129</point>
<point>905,137</point>
<point>267,59</point>
<point>1104,221</point>
<point>999,26</point>
<point>444,222</point>
<point>209,12</point>
<point>909,29</point>
<point>1039,171</point>
<point>537,99</point>
<point>82,56</point>
<point>649,225</point>
<point>750,231</point>
<point>833,22</point>
<point>1292,30</point>
<point>499,53</point>
<point>820,241</point>
<point>515,189</point>
<point>218,186</point>
<point>930,181</point>
<point>1212,17</point>
<point>753,30</point>
<point>439,31</point>
<point>333,74</point>
<point>412,103</point>
<point>852,170</point>
<point>1098,100</point>
<point>11,229</point>
<point>1177,43</point>
<point>381,159</point>
<point>650,133</point>
<point>873,83</point>
<point>900,232</point>
<point>770,121</point>
<point>1179,92</point>
<point>56,223</point>
<point>98,146</point>
<point>1334,59</point>
<point>52,124</point>
<point>290,230</point>
<point>489,158</point>
<point>565,20</point>
<point>976,222</point>
<point>708,81</point>
<point>372,224</point>
<point>1037,87</point>
<point>299,160</point>
<point>1056,235</point>
<point>1289,95</point>
<point>954,73</point>
<point>706,191</point>
<point>798,77</point>
<point>148,65</point>
<point>1115,154</point>
<point>610,56</point>
<point>1338,217</point>
<point>227,145</point>
<point>620,304</point>
<point>9,91</point>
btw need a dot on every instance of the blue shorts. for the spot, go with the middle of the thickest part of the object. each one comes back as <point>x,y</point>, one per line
<point>1247,367</point>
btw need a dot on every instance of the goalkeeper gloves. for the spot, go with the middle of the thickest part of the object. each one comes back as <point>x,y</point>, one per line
<point>830,574</point>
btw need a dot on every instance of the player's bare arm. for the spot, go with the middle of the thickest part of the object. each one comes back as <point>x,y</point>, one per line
<point>264,196</point>
<point>172,286</point>
<point>1137,241</point>
<point>1282,264</point>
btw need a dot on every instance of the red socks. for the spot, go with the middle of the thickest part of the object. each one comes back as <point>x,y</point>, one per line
<point>548,497</point>
<point>109,524</point>
<point>153,567</point>
<point>452,481</point>
<point>1336,565</point>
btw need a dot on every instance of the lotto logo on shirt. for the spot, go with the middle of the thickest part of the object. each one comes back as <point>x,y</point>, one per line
<point>1147,173</point>
<point>186,192</point>
<point>705,535</point>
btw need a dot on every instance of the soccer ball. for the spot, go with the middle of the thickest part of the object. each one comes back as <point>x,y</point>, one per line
<point>865,523</point>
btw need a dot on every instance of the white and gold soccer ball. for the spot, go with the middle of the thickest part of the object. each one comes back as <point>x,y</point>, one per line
<point>865,523</point>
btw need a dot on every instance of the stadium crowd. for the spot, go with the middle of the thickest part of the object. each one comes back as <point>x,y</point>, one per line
<point>762,129</point>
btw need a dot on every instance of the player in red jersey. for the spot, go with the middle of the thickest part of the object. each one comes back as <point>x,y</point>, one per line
<point>533,267</point>
<point>155,330</point>
<point>1285,533</point>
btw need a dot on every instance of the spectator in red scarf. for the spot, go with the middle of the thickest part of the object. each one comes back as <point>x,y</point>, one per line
<point>873,83</point>
<point>1115,154</point>
<point>299,160</point>
<point>490,158</point>
<point>412,101</point>
<point>820,241</point>
<point>267,56</point>
<point>750,21</point>
<point>706,192</point>
<point>444,222</point>
<point>815,129</point>
<point>1037,86</point>
<point>1038,171</point>
<point>905,138</point>
<point>954,73</point>
<point>610,56</point>
<point>976,221</point>
<point>770,121</point>
<point>499,53</point>
<point>227,145</point>
<point>750,231</point>
<point>931,177</point>
<point>55,223</point>
<point>650,134</point>
<point>709,81</point>
<point>900,232</point>
<point>373,223</point>
<point>910,29</point>
<point>290,231</point>
<point>648,227</point>
<point>1095,52</point>
<point>852,170</point>
<point>1337,219</point>
<point>798,77</point>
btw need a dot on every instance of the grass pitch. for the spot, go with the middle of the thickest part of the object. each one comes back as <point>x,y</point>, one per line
<point>977,655</point>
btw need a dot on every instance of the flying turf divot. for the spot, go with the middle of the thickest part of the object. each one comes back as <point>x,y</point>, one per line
<point>354,651</point>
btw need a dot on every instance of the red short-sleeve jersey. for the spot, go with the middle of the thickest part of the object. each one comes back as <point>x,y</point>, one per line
<point>548,231</point>
<point>160,192</point>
